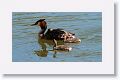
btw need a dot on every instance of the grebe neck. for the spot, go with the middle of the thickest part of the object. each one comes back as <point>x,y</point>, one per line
<point>43,30</point>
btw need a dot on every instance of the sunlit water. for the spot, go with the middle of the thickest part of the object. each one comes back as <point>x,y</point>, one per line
<point>27,47</point>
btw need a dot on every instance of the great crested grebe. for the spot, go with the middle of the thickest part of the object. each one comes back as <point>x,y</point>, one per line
<point>58,34</point>
<point>61,47</point>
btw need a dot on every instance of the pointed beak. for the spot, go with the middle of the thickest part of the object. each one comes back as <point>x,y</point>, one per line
<point>32,25</point>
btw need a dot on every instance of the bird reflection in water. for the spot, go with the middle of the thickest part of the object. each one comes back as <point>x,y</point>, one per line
<point>41,53</point>
<point>44,43</point>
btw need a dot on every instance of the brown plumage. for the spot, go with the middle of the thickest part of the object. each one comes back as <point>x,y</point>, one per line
<point>42,24</point>
<point>60,47</point>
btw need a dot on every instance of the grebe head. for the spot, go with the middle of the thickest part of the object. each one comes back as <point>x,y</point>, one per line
<point>43,25</point>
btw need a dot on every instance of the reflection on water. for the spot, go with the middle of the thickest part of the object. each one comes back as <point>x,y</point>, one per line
<point>27,47</point>
<point>42,53</point>
<point>43,43</point>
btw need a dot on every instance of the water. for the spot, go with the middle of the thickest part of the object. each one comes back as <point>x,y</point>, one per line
<point>27,47</point>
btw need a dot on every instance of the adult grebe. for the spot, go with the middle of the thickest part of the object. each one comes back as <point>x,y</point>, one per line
<point>58,34</point>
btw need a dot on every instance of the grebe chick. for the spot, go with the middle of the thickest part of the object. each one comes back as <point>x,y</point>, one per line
<point>61,47</point>
<point>68,38</point>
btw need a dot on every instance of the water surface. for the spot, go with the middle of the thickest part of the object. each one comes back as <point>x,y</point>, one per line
<point>27,47</point>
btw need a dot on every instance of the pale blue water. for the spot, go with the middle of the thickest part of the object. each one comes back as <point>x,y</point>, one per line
<point>27,47</point>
